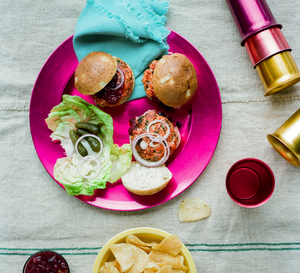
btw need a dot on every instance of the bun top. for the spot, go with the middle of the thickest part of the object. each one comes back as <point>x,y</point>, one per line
<point>174,80</point>
<point>94,72</point>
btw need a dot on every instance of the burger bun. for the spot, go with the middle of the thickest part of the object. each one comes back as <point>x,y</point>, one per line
<point>142,180</point>
<point>174,80</point>
<point>94,72</point>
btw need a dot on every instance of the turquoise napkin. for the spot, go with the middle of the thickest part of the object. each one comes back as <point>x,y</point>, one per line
<point>131,30</point>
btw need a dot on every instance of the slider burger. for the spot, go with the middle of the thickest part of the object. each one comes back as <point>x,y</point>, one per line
<point>171,81</point>
<point>108,79</point>
<point>153,138</point>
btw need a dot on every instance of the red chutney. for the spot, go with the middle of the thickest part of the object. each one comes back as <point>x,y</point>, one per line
<point>46,262</point>
<point>139,126</point>
<point>107,96</point>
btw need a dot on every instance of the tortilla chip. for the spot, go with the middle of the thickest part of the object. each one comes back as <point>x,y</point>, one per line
<point>141,260</point>
<point>171,245</point>
<point>145,248</point>
<point>110,264</point>
<point>165,269</point>
<point>117,265</point>
<point>124,255</point>
<point>177,271</point>
<point>153,266</point>
<point>163,258</point>
<point>193,209</point>
<point>133,257</point>
<point>149,270</point>
<point>134,240</point>
<point>108,268</point>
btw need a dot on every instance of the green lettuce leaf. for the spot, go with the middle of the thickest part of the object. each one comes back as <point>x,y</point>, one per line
<point>114,161</point>
<point>71,110</point>
<point>65,172</point>
<point>121,159</point>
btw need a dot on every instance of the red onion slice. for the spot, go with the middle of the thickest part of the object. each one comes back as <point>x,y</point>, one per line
<point>153,138</point>
<point>122,79</point>
<point>89,158</point>
<point>156,138</point>
<point>90,176</point>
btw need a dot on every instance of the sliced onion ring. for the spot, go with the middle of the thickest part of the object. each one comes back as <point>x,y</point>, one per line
<point>122,79</point>
<point>157,138</point>
<point>98,168</point>
<point>89,158</point>
<point>153,138</point>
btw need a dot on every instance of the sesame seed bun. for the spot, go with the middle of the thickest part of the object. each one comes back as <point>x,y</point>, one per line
<point>94,72</point>
<point>174,80</point>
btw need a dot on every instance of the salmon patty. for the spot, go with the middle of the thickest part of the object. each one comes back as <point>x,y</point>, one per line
<point>138,126</point>
<point>110,97</point>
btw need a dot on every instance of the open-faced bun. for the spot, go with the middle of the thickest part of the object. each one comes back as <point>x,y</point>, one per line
<point>142,180</point>
<point>174,80</point>
<point>94,72</point>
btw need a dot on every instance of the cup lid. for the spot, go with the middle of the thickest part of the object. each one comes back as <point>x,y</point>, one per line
<point>250,182</point>
<point>251,16</point>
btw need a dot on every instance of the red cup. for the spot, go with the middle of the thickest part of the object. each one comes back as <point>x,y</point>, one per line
<point>265,44</point>
<point>250,182</point>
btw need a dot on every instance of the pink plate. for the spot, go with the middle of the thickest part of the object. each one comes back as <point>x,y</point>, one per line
<point>201,124</point>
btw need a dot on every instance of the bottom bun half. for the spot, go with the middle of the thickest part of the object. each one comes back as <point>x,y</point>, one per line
<point>142,180</point>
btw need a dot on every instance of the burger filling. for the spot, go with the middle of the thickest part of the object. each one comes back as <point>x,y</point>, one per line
<point>148,82</point>
<point>118,88</point>
<point>139,126</point>
<point>148,86</point>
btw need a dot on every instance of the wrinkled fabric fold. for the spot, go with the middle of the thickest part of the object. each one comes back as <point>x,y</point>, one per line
<point>134,31</point>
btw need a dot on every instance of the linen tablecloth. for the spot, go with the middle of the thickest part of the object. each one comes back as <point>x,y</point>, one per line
<point>36,213</point>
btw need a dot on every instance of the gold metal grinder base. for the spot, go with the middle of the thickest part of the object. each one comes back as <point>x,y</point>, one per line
<point>286,139</point>
<point>278,72</point>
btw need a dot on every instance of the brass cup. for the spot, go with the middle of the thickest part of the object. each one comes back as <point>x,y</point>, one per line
<point>278,72</point>
<point>286,139</point>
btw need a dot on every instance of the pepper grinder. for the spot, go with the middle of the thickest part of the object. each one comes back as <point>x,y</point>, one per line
<point>268,50</point>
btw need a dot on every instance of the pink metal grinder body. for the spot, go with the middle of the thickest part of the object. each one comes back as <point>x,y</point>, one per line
<point>265,44</point>
<point>251,16</point>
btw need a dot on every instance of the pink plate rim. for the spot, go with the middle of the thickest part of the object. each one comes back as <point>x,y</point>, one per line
<point>206,122</point>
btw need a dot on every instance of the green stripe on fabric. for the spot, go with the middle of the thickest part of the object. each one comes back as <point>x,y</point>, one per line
<point>187,245</point>
<point>64,254</point>
<point>245,244</point>
<point>243,249</point>
<point>38,249</point>
<point>191,250</point>
<point>80,251</point>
